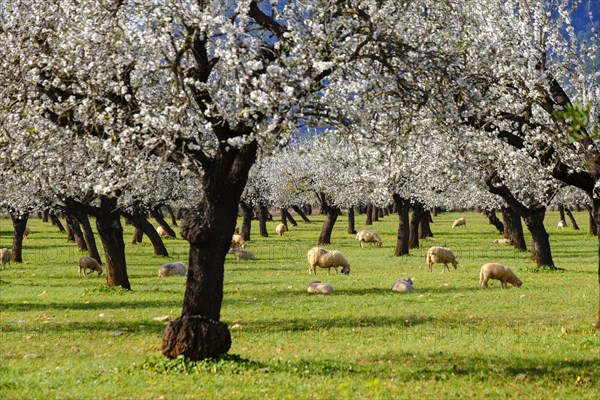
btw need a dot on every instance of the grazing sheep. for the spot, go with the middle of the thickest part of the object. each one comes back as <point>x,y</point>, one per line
<point>26,233</point>
<point>161,231</point>
<point>241,254</point>
<point>90,263</point>
<point>5,255</point>
<point>368,237</point>
<point>318,257</point>
<point>503,241</point>
<point>280,229</point>
<point>237,242</point>
<point>443,255</point>
<point>320,288</point>
<point>171,269</point>
<point>459,222</point>
<point>497,271</point>
<point>561,224</point>
<point>403,285</point>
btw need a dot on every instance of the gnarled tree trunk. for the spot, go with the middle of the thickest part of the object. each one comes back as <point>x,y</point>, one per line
<point>246,220</point>
<point>572,219</point>
<point>331,212</point>
<point>289,217</point>
<point>351,221</point>
<point>369,214</point>
<point>301,213</point>
<point>159,217</point>
<point>80,211</point>
<point>284,218</point>
<point>19,222</point>
<point>402,206</point>
<point>56,221</point>
<point>143,226</point>
<point>108,224</point>
<point>74,232</point>
<point>263,216</point>
<point>540,241</point>
<point>424,227</point>
<point>415,222</point>
<point>491,214</point>
<point>513,228</point>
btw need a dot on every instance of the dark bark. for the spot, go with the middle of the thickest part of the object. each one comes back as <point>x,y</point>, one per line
<point>561,212</point>
<point>284,218</point>
<point>181,212</point>
<point>375,212</point>
<point>108,224</point>
<point>307,208</point>
<point>56,221</point>
<point>424,227</point>
<point>142,226</point>
<point>159,217</point>
<point>415,222</point>
<point>171,214</point>
<point>596,213</point>
<point>331,213</point>
<point>246,220</point>
<point>75,232</point>
<point>513,228</point>
<point>593,225</point>
<point>45,215</point>
<point>301,213</point>
<point>351,221</point>
<point>491,214</point>
<point>385,211</point>
<point>70,235</point>
<point>79,213</point>
<point>263,216</point>
<point>369,213</point>
<point>19,222</point>
<point>572,219</point>
<point>138,236</point>
<point>402,206</point>
<point>434,211</point>
<point>288,217</point>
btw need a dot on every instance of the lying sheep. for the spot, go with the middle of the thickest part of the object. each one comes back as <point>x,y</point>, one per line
<point>503,241</point>
<point>171,269</point>
<point>443,255</point>
<point>561,224</point>
<point>280,229</point>
<point>403,285</point>
<point>368,237</point>
<point>161,231</point>
<point>320,288</point>
<point>459,222</point>
<point>90,263</point>
<point>318,257</point>
<point>5,255</point>
<point>497,271</point>
<point>237,241</point>
<point>241,254</point>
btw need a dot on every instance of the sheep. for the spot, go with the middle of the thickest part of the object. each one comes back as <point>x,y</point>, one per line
<point>368,237</point>
<point>26,233</point>
<point>280,229</point>
<point>241,254</point>
<point>403,285</point>
<point>459,222</point>
<point>318,257</point>
<point>237,241</point>
<point>320,288</point>
<point>90,263</point>
<point>171,269</point>
<point>503,241</point>
<point>5,255</point>
<point>161,231</point>
<point>561,224</point>
<point>443,255</point>
<point>497,271</point>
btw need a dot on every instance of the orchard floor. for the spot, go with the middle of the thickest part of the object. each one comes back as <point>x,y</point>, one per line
<point>66,337</point>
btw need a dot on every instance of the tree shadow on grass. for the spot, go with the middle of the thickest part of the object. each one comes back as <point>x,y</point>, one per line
<point>91,306</point>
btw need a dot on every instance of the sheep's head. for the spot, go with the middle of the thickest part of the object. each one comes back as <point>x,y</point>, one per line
<point>454,263</point>
<point>346,269</point>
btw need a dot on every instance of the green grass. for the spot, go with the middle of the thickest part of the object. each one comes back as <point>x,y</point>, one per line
<point>66,337</point>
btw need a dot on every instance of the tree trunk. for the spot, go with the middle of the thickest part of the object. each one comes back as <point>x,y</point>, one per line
<point>75,231</point>
<point>561,212</point>
<point>415,222</point>
<point>593,224</point>
<point>402,206</point>
<point>138,236</point>
<point>263,213</point>
<point>380,214</point>
<point>56,221</point>
<point>172,215</point>
<point>307,209</point>
<point>108,224</point>
<point>331,213</point>
<point>88,234</point>
<point>246,220</point>
<point>375,212</point>
<point>198,334</point>
<point>301,214</point>
<point>158,216</point>
<point>491,214</point>
<point>19,224</point>
<point>540,243</point>
<point>424,227</point>
<point>289,217</point>
<point>596,214</point>
<point>351,221</point>
<point>434,211</point>
<point>284,218</point>
<point>369,213</point>
<point>45,215</point>
<point>572,218</point>
<point>70,235</point>
<point>513,228</point>
<point>143,226</point>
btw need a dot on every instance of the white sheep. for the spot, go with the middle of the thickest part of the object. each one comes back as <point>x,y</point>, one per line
<point>368,237</point>
<point>280,229</point>
<point>497,271</point>
<point>320,288</point>
<point>459,222</point>
<point>171,269</point>
<point>161,231</point>
<point>237,241</point>
<point>241,254</point>
<point>503,241</point>
<point>403,285</point>
<point>318,257</point>
<point>561,224</point>
<point>90,263</point>
<point>437,254</point>
<point>5,255</point>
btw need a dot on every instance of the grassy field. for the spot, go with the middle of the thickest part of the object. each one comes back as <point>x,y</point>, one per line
<point>66,337</point>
